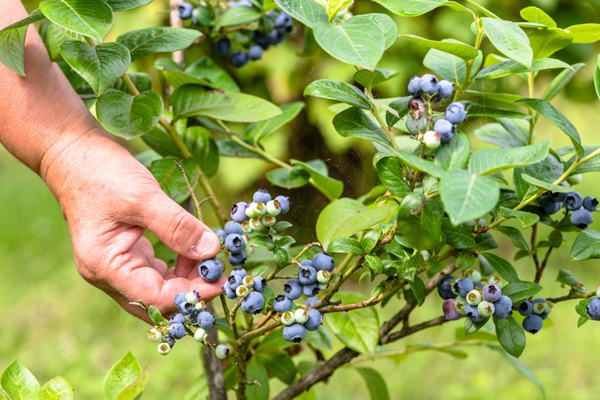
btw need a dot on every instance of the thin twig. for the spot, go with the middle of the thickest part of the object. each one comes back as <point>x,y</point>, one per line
<point>187,183</point>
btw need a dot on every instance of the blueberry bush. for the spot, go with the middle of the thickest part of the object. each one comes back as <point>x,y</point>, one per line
<point>424,227</point>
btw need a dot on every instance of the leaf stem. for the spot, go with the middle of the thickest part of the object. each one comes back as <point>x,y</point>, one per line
<point>388,131</point>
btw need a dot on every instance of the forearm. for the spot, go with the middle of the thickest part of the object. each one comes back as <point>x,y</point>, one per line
<point>41,111</point>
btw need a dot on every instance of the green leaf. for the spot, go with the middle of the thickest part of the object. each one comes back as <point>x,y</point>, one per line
<point>54,39</point>
<point>585,33</point>
<point>418,289</point>
<point>497,134</point>
<point>480,110</point>
<point>557,118</point>
<point>538,16</point>
<point>155,315</point>
<point>561,80</point>
<point>256,371</point>
<point>545,42</point>
<point>121,375</point>
<point>357,329</point>
<point>450,67</point>
<point>458,237</point>
<point>548,170</point>
<point>510,335</point>
<point>171,179</point>
<point>390,174</point>
<point>159,141</point>
<point>410,8</point>
<point>522,369</point>
<point>520,291</point>
<point>12,49</point>
<point>129,116</point>
<point>289,178</point>
<point>141,81</point>
<point>345,245</point>
<point>370,79</point>
<point>419,223</point>
<point>458,49</point>
<point>358,41</point>
<point>163,39</point>
<point>308,12</point>
<point>375,383</point>
<point>511,67</point>
<point>35,16</point>
<point>374,265</point>
<point>502,267</point>
<point>386,24</point>
<point>545,185</point>
<point>400,106</point>
<point>515,236</point>
<point>100,66</point>
<point>586,246</point>
<point>236,16</point>
<point>90,18</point>
<point>204,149</point>
<point>353,122</point>
<point>279,364</point>
<point>317,169</point>
<point>566,277</point>
<point>339,91</point>
<point>261,130</point>
<point>124,5</point>
<point>57,388</point>
<point>419,164</point>
<point>135,389</point>
<point>509,39</point>
<point>190,100</point>
<point>489,161</point>
<point>472,327</point>
<point>203,72</point>
<point>281,256</point>
<point>370,240</point>
<point>454,154</point>
<point>19,383</point>
<point>525,218</point>
<point>467,196</point>
<point>345,217</point>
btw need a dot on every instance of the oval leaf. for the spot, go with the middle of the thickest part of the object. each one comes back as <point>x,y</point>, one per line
<point>339,91</point>
<point>164,39</point>
<point>129,116</point>
<point>90,18</point>
<point>509,39</point>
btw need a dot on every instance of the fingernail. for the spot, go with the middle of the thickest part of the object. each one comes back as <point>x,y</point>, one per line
<point>207,244</point>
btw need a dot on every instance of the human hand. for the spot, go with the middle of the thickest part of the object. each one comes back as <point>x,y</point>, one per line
<point>109,199</point>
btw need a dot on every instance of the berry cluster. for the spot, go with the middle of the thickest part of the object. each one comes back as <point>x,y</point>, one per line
<point>469,297</point>
<point>240,285</point>
<point>551,203</point>
<point>593,307</point>
<point>253,216</point>
<point>425,90</point>
<point>535,312</point>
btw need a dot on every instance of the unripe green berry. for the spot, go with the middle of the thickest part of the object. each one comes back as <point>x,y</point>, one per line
<point>256,224</point>
<point>486,309</point>
<point>548,308</point>
<point>248,281</point>
<point>474,297</point>
<point>473,275</point>
<point>460,303</point>
<point>274,208</point>
<point>192,298</point>
<point>301,315</point>
<point>242,291</point>
<point>164,349</point>
<point>246,227</point>
<point>200,335</point>
<point>453,286</point>
<point>221,351</point>
<point>539,308</point>
<point>432,139</point>
<point>269,220</point>
<point>323,276</point>
<point>495,280</point>
<point>251,211</point>
<point>574,179</point>
<point>260,209</point>
<point>201,305</point>
<point>287,318</point>
<point>154,335</point>
<point>322,286</point>
<point>598,291</point>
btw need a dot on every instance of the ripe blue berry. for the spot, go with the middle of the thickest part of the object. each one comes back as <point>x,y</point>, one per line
<point>311,301</point>
<point>282,20</point>
<point>253,303</point>
<point>314,321</point>
<point>260,39</point>
<point>581,218</point>
<point>185,10</point>
<point>294,333</point>
<point>185,307</point>
<point>293,289</point>
<point>238,212</point>
<point>526,308</point>
<point>446,89</point>
<point>238,59</point>
<point>282,303</point>
<point>221,234</point>
<point>473,313</point>
<point>221,352</point>
<point>229,292</point>
<point>237,259</point>
<point>235,243</point>
<point>310,290</point>
<point>593,308</point>
<point>556,196</point>
<point>548,206</point>
<point>573,201</point>
<point>239,271</point>
<point>176,331</point>
<point>168,340</point>
<point>223,46</point>
<point>414,86</point>
<point>450,311</point>
<point>205,320</point>
<point>491,292</point>
<point>177,319</point>
<point>259,284</point>
<point>275,37</point>
<point>445,129</point>
<point>429,84</point>
<point>210,270</point>
<point>284,202</point>
<point>323,261</point>
<point>307,275</point>
<point>533,324</point>
<point>233,227</point>
<point>261,196</point>
<point>590,203</point>
<point>503,307</point>
<point>179,298</point>
<point>444,287</point>
<point>463,286</point>
<point>456,113</point>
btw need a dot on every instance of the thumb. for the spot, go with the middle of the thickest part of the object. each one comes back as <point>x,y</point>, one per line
<point>178,229</point>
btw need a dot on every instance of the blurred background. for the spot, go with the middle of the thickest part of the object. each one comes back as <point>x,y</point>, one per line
<point>56,324</point>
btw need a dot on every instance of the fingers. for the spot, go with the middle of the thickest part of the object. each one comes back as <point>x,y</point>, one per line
<point>178,229</point>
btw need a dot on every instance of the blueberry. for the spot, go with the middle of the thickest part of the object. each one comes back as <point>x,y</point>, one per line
<point>429,84</point>
<point>185,10</point>
<point>282,20</point>
<point>474,275</point>
<point>432,139</point>
<point>223,46</point>
<point>414,86</point>
<point>450,311</point>
<point>533,324</point>
<point>260,208</point>
<point>273,208</point>
<point>176,331</point>
<point>307,263</point>
<point>205,320</point>
<point>168,340</point>
<point>491,292</point>
<point>251,210</point>
<point>539,306</point>
<point>590,203</point>
<point>463,286</point>
<point>268,220</point>
<point>177,319</point>
<point>221,234</point>
<point>445,129</point>
<point>293,289</point>
<point>444,287</point>
<point>287,318</point>
<point>456,113</point>
<point>314,321</point>
<point>260,40</point>
<point>474,297</point>
<point>256,224</point>
<point>557,196</point>
<point>593,308</point>
<point>503,307</point>
<point>486,309</point>
<point>193,297</point>
<point>233,227</point>
<point>248,281</point>
<point>323,261</point>
<point>221,352</point>
<point>238,59</point>
<point>261,196</point>
<point>473,314</point>
<point>242,291</point>
<point>199,335</point>
<point>179,298</point>
<point>210,270</point>
<point>235,243</point>
<point>311,301</point>
<point>573,201</point>
<point>185,307</point>
<point>259,284</point>
<point>323,276</point>
<point>239,271</point>
<point>307,275</point>
<point>164,348</point>
<point>275,37</point>
<point>446,89</point>
<point>461,305</point>
<point>253,303</point>
<point>310,290</point>
<point>282,303</point>
<point>284,202</point>
<point>574,179</point>
<point>229,292</point>
<point>495,280</point>
<point>154,335</point>
<point>526,308</point>
<point>548,206</point>
<point>581,218</point>
<point>294,333</point>
<point>301,315</point>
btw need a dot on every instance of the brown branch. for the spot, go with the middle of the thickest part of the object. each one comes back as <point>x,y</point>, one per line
<point>213,366</point>
<point>542,267</point>
<point>571,296</point>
